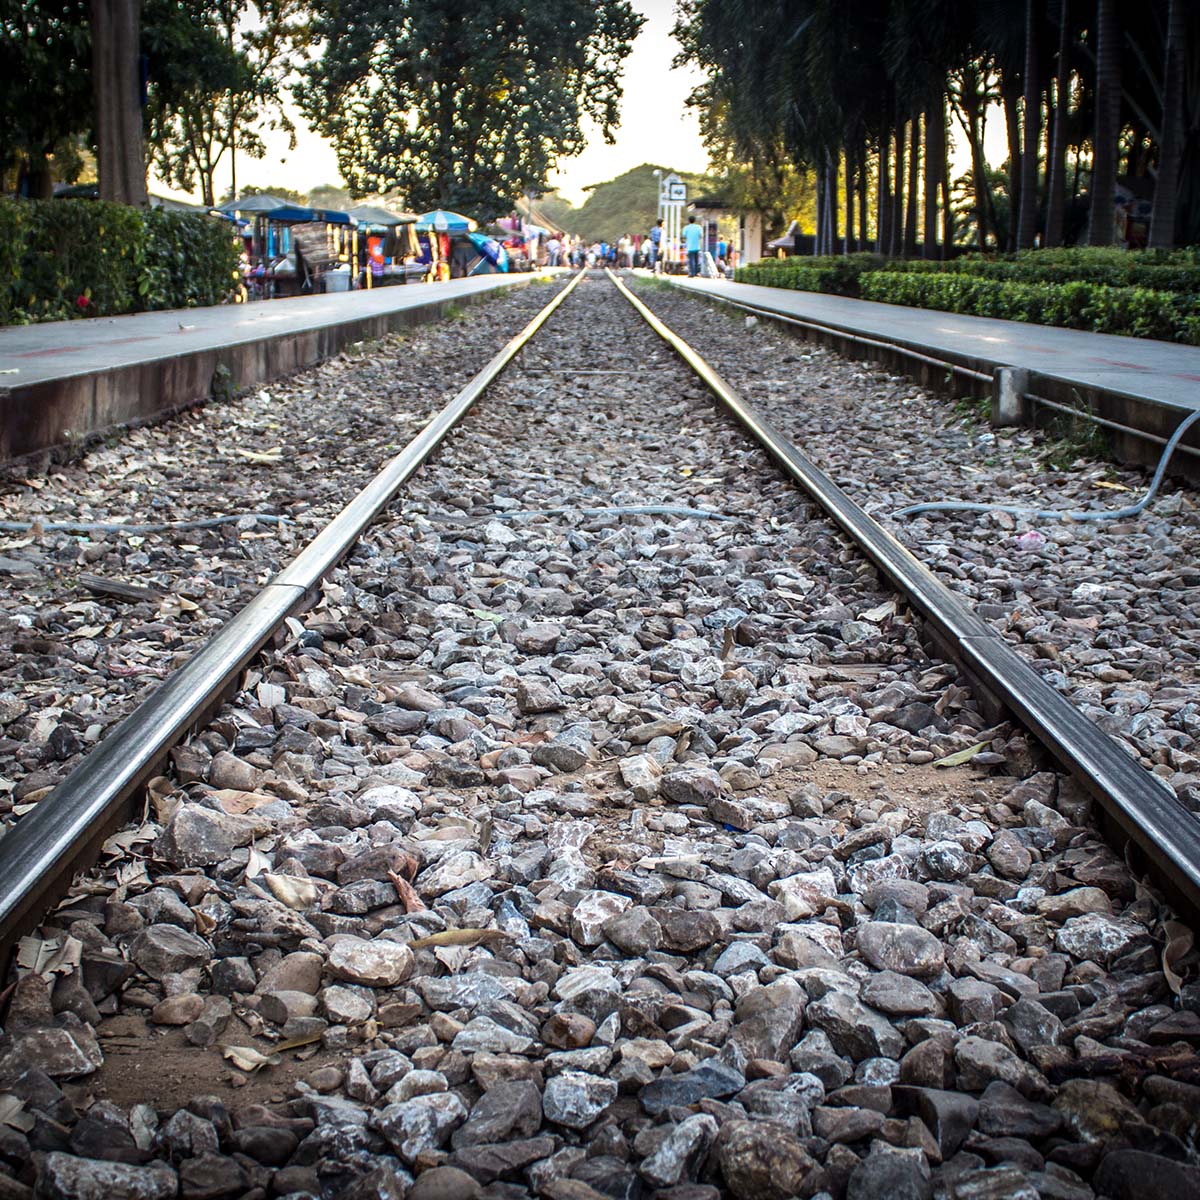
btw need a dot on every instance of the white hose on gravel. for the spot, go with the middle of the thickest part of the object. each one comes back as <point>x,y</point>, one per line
<point>1051,514</point>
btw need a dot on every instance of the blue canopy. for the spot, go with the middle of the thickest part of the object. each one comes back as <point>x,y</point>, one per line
<point>490,249</point>
<point>441,221</point>
<point>275,209</point>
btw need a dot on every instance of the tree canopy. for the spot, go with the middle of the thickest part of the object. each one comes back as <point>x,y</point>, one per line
<point>464,105</point>
<point>1090,92</point>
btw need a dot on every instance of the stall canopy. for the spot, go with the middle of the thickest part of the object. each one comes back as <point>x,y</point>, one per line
<point>373,214</point>
<point>261,204</point>
<point>285,213</point>
<point>441,221</point>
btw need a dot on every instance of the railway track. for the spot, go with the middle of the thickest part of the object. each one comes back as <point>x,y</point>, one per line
<point>515,745</point>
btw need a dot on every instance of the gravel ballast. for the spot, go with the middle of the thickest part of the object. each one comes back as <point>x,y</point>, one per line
<point>588,838</point>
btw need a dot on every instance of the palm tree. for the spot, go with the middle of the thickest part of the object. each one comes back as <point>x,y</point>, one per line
<point>1108,124</point>
<point>1027,222</point>
<point>1170,150</point>
<point>1057,167</point>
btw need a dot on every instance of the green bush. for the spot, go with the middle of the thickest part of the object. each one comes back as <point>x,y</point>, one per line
<point>1154,294</point>
<point>1132,311</point>
<point>79,258</point>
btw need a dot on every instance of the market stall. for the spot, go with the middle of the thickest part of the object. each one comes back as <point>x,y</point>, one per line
<point>388,250</point>
<point>437,231</point>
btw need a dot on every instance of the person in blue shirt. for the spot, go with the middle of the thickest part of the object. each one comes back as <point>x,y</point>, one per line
<point>692,235</point>
<point>655,244</point>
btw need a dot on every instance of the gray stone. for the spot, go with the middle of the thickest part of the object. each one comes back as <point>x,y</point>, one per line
<point>853,1028</point>
<point>421,1124</point>
<point>691,785</point>
<point>1004,1112</point>
<point>905,949</point>
<point>505,1111</point>
<point>377,963</point>
<point>576,1100</point>
<point>889,1175</point>
<point>1099,938</point>
<point>1138,1175</point>
<point>710,1080</point>
<point>167,950</point>
<point>196,836</point>
<point>898,995</point>
<point>634,931</point>
<point>65,1177</point>
<point>681,1153</point>
<point>760,1160</point>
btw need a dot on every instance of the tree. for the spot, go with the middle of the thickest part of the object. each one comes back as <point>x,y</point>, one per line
<point>217,73</point>
<point>464,106</point>
<point>45,59</point>
<point>1108,124</point>
<point>1170,154</point>
<point>116,78</point>
<point>1056,184</point>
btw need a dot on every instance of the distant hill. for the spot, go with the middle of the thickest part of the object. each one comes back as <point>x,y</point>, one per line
<point>627,204</point>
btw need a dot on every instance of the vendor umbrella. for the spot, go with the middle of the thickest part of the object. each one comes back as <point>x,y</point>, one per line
<point>441,221</point>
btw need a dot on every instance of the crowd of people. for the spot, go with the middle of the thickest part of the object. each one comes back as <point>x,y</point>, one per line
<point>643,250</point>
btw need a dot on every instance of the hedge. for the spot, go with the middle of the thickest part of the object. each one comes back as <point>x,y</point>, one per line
<point>81,258</point>
<point>1152,295</point>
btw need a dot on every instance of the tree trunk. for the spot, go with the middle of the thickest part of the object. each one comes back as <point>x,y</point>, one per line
<point>897,219</point>
<point>1056,198</point>
<point>831,204</point>
<point>1108,125</point>
<point>883,195</point>
<point>1170,151</point>
<point>848,246</point>
<point>944,179</point>
<point>935,148</point>
<point>1027,222</point>
<point>914,186</point>
<point>1012,120</point>
<point>863,245</point>
<point>116,69</point>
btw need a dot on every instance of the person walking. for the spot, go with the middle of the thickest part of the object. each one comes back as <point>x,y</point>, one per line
<point>655,244</point>
<point>692,235</point>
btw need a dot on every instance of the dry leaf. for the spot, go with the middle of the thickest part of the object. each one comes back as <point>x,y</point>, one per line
<point>460,937</point>
<point>246,1058</point>
<point>1178,947</point>
<point>305,1039</point>
<point>451,957</point>
<point>886,609</point>
<point>296,893</point>
<point>49,956</point>
<point>961,756</point>
<point>13,1114</point>
<point>407,893</point>
<point>257,863</point>
<point>237,803</point>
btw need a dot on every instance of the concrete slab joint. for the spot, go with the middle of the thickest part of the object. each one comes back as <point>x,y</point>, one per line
<point>1009,406</point>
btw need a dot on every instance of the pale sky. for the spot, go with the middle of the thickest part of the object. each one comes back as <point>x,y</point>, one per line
<point>655,127</point>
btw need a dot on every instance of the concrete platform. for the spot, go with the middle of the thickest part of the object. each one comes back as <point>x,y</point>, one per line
<point>1145,384</point>
<point>63,381</point>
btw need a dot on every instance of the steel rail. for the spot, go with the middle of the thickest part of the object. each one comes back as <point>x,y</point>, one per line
<point>858,339</point>
<point>64,832</point>
<point>1145,811</point>
<point>987,377</point>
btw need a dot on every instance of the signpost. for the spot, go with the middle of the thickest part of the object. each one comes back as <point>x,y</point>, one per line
<point>672,196</point>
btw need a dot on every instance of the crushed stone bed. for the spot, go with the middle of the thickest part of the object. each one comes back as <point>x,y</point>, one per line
<point>74,660</point>
<point>568,850</point>
<point>1107,612</point>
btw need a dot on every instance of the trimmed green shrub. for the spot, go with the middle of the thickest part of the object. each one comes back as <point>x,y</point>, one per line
<point>80,258</point>
<point>1135,312</point>
<point>1153,294</point>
